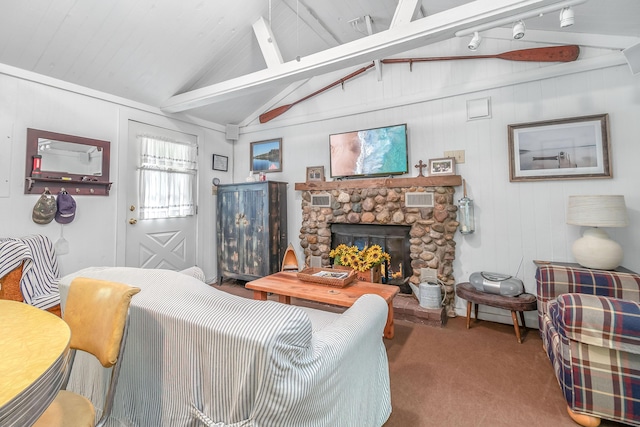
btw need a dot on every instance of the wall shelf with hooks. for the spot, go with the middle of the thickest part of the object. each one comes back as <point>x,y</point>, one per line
<point>73,187</point>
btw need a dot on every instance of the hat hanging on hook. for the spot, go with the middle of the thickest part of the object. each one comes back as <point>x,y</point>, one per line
<point>66,207</point>
<point>44,209</point>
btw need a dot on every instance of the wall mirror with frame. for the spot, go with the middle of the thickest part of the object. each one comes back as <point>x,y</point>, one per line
<point>77,164</point>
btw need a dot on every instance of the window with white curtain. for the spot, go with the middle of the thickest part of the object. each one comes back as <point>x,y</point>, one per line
<point>168,171</point>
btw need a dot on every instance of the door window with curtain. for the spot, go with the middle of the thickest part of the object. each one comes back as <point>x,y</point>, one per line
<point>168,171</point>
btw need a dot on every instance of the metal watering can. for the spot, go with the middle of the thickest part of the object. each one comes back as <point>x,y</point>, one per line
<point>429,294</point>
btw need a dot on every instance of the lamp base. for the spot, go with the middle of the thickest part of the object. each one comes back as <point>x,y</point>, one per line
<point>596,250</point>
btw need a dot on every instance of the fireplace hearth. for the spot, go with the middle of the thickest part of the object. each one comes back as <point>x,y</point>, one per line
<point>431,230</point>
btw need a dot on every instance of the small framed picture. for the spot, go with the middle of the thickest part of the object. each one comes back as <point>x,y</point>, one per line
<point>220,163</point>
<point>266,156</point>
<point>444,166</point>
<point>315,173</point>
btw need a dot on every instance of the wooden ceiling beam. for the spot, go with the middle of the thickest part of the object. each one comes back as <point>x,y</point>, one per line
<point>428,30</point>
<point>267,43</point>
<point>376,62</point>
<point>405,11</point>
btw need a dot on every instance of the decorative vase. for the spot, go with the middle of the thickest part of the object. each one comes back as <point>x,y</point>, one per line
<point>373,275</point>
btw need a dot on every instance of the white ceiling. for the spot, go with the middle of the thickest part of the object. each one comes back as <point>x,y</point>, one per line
<point>149,51</point>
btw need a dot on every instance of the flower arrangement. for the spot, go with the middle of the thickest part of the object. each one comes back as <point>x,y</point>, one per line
<point>359,260</point>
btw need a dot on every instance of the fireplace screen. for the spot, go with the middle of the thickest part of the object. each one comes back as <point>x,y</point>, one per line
<point>393,239</point>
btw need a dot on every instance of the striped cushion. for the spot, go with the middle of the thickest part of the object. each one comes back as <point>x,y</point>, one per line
<point>194,272</point>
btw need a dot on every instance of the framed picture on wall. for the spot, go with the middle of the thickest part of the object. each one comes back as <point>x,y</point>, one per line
<point>443,166</point>
<point>266,156</point>
<point>220,163</point>
<point>572,148</point>
<point>315,173</point>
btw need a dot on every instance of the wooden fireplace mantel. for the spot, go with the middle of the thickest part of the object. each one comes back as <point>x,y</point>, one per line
<point>422,181</point>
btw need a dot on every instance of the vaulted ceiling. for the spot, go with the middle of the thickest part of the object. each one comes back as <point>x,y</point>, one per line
<point>223,61</point>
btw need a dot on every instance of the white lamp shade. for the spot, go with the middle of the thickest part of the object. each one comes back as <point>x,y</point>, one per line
<point>597,211</point>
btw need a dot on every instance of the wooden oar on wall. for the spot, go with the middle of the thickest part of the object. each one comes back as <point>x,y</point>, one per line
<point>566,53</point>
<point>539,54</point>
<point>272,114</point>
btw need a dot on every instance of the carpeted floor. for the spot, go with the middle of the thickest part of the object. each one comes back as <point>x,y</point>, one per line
<point>458,377</point>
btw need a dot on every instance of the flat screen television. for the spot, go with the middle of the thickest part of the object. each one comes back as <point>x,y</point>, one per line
<point>369,152</point>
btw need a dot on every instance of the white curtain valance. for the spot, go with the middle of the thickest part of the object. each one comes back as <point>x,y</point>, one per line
<point>156,152</point>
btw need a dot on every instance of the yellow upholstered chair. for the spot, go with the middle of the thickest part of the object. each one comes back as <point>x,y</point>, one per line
<point>97,313</point>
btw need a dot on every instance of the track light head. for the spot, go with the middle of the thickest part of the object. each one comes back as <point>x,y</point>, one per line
<point>567,17</point>
<point>518,30</point>
<point>475,41</point>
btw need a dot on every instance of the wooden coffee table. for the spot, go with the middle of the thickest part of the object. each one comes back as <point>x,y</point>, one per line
<point>287,285</point>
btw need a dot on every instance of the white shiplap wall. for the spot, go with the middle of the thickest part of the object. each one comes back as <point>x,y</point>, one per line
<point>514,221</point>
<point>97,235</point>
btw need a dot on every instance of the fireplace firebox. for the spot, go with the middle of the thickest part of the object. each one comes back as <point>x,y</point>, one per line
<point>393,239</point>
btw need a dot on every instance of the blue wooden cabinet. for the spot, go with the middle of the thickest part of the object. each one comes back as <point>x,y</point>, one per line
<point>251,229</point>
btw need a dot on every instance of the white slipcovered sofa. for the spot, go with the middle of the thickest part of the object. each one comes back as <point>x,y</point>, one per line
<point>197,356</point>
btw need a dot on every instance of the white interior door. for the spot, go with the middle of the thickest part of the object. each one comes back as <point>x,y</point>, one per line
<point>168,243</point>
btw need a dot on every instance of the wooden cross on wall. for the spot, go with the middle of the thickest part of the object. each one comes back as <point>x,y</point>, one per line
<point>420,166</point>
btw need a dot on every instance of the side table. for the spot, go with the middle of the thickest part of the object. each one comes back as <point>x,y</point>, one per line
<point>523,302</point>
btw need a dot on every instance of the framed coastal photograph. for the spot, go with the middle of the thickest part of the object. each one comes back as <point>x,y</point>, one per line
<point>571,148</point>
<point>315,173</point>
<point>443,166</point>
<point>266,156</point>
<point>220,163</point>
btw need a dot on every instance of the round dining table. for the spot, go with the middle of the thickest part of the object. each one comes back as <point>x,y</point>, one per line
<point>34,349</point>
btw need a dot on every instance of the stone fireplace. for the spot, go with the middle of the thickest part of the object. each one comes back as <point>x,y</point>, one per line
<point>381,201</point>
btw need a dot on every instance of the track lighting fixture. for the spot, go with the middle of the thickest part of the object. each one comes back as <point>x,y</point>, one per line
<point>566,17</point>
<point>518,30</point>
<point>475,41</point>
<point>509,20</point>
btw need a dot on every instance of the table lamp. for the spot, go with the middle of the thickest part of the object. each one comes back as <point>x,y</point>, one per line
<point>595,249</point>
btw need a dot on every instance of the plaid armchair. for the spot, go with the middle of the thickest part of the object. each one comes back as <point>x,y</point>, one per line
<point>590,326</point>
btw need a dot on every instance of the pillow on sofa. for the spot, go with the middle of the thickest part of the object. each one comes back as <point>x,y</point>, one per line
<point>603,321</point>
<point>194,272</point>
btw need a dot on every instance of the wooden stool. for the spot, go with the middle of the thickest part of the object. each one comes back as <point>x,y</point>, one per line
<point>520,304</point>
